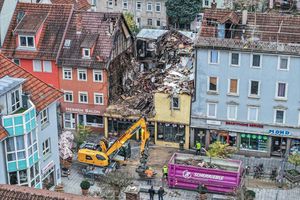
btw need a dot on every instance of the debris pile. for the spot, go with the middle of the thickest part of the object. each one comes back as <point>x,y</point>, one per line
<point>137,98</point>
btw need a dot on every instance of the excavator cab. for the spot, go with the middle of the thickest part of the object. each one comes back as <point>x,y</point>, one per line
<point>92,157</point>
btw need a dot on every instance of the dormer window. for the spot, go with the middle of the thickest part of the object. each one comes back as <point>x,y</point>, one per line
<point>26,41</point>
<point>86,53</point>
<point>15,100</point>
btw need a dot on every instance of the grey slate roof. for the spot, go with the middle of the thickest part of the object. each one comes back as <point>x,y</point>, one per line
<point>8,83</point>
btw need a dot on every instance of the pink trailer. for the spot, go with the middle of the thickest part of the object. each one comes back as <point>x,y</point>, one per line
<point>224,177</point>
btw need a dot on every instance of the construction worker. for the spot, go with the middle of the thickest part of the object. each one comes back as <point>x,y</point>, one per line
<point>198,148</point>
<point>165,171</point>
<point>149,173</point>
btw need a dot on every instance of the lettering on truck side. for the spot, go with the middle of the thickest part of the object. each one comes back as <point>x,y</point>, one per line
<point>186,174</point>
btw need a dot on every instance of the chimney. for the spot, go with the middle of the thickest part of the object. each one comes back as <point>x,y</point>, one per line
<point>213,5</point>
<point>244,16</point>
<point>271,4</point>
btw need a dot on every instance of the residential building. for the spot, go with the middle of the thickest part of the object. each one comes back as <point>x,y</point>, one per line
<point>34,38</point>
<point>147,14</point>
<point>246,82</point>
<point>93,42</point>
<point>217,3</point>
<point>78,4</point>
<point>28,129</point>
<point>6,12</point>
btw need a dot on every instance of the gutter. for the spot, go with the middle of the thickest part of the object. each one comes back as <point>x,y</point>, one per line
<point>64,34</point>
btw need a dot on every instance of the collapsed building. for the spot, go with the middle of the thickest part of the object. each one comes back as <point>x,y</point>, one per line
<point>157,85</point>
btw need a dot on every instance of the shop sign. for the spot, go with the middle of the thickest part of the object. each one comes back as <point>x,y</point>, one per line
<point>279,132</point>
<point>47,167</point>
<point>80,110</point>
<point>187,174</point>
<point>213,122</point>
<point>244,124</point>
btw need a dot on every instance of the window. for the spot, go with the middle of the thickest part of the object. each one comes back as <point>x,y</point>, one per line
<point>212,110</point>
<point>16,61</point>
<point>47,66</point>
<point>37,66</point>
<point>175,103</point>
<point>170,132</point>
<point>94,2</point>
<point>44,116</point>
<point>283,63</point>
<point>158,22</point>
<point>149,6</point>
<point>281,90</point>
<point>125,4</point>
<point>157,6</point>
<point>254,142</point>
<point>83,97</point>
<point>67,73</point>
<point>86,53</point>
<point>253,114</point>
<point>94,120</point>
<point>110,3</point>
<point>232,112</point>
<point>279,117</point>
<point>98,99</point>
<point>149,22</point>
<point>97,75</point>
<point>212,84</point>
<point>46,147</point>
<point>26,41</point>
<point>82,76</point>
<point>99,157</point>
<point>233,86</point>
<point>254,88</point>
<point>206,2</point>
<point>213,57</point>
<point>15,100</point>
<point>139,5</point>
<point>68,96</point>
<point>235,59</point>
<point>256,60</point>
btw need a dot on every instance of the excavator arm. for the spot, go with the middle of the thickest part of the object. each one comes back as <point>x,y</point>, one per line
<point>140,124</point>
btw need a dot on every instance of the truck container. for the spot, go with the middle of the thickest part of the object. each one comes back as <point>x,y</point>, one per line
<point>186,171</point>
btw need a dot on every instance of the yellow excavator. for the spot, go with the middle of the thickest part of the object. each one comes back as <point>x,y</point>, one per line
<point>107,154</point>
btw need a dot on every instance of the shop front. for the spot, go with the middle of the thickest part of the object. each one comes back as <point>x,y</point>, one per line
<point>48,176</point>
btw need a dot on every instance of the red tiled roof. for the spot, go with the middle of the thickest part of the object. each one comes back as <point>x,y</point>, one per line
<point>3,133</point>
<point>57,17</point>
<point>269,27</point>
<point>41,94</point>
<point>14,192</point>
<point>78,4</point>
<point>86,28</point>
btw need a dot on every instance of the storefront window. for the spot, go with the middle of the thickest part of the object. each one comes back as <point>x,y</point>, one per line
<point>48,178</point>
<point>170,132</point>
<point>199,135</point>
<point>94,120</point>
<point>23,176</point>
<point>13,178</point>
<point>117,128</point>
<point>254,142</point>
<point>295,146</point>
<point>278,146</point>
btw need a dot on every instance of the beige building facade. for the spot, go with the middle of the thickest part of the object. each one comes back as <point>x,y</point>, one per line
<point>147,13</point>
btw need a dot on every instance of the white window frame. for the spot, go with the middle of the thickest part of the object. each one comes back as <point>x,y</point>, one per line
<point>172,103</point>
<point>228,112</point>
<point>286,90</point>
<point>149,3</point>
<point>26,36</point>
<point>67,69</point>
<point>207,109</point>
<point>98,94</point>
<point>209,57</point>
<point>248,115</point>
<point>87,97</point>
<point>158,4</point>
<point>46,149</point>
<point>125,2</point>
<point>206,1</point>
<point>148,20</point>
<point>96,71</point>
<point>50,66</point>
<point>158,20</point>
<point>139,2</point>
<point>288,63</point>
<point>70,92</point>
<point>208,84</point>
<point>44,116</point>
<point>110,3</point>
<point>230,59</point>
<point>284,116</point>
<point>89,53</point>
<point>79,70</point>
<point>237,87</point>
<point>260,61</point>
<point>15,99</point>
<point>35,69</point>
<point>249,89</point>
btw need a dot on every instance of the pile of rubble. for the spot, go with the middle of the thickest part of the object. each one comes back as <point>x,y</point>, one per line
<point>137,98</point>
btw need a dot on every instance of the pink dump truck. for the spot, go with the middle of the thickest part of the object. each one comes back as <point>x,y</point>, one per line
<point>186,171</point>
